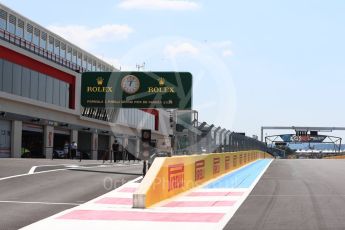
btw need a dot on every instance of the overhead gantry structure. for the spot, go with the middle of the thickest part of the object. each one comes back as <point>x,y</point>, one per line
<point>304,134</point>
<point>300,128</point>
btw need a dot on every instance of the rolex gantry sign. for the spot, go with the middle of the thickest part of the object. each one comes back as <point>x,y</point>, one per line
<point>170,90</point>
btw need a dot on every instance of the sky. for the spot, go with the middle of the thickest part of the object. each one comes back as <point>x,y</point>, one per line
<point>254,63</point>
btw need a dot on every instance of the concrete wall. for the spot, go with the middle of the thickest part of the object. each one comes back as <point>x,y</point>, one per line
<point>169,176</point>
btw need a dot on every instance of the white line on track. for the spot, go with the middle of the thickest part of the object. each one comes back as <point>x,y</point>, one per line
<point>306,195</point>
<point>32,170</point>
<point>53,170</point>
<point>34,202</point>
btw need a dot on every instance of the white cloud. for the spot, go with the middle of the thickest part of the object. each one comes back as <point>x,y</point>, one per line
<point>184,48</point>
<point>85,36</point>
<point>224,47</point>
<point>221,44</point>
<point>159,4</point>
<point>227,53</point>
<point>116,63</point>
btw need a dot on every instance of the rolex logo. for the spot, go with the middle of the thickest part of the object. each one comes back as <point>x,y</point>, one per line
<point>161,81</point>
<point>99,81</point>
<point>99,88</point>
<point>161,88</point>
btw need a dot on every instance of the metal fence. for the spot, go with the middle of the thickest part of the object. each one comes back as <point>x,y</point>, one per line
<point>205,138</point>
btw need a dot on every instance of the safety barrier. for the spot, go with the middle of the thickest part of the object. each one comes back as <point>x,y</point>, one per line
<point>169,176</point>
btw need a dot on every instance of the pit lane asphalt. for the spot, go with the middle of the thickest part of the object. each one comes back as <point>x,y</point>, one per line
<point>27,199</point>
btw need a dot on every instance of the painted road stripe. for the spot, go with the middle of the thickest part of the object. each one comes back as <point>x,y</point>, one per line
<point>33,168</point>
<point>128,189</point>
<point>115,200</point>
<point>142,216</point>
<point>47,171</point>
<point>215,194</point>
<point>231,213</point>
<point>203,208</point>
<point>202,198</point>
<point>35,202</point>
<point>199,203</point>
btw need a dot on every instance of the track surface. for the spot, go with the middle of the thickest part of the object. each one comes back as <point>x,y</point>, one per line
<point>201,208</point>
<point>27,199</point>
<point>296,194</point>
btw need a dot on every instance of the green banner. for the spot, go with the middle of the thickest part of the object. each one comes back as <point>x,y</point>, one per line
<point>169,90</point>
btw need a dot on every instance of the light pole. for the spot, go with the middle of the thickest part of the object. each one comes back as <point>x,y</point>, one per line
<point>142,66</point>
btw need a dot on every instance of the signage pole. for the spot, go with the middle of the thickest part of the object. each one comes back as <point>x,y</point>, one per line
<point>144,168</point>
<point>146,140</point>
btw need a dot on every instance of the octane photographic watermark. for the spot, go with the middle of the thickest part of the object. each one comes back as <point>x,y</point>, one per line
<point>110,183</point>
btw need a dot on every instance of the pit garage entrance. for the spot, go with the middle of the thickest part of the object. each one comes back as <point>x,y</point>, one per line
<point>84,144</point>
<point>61,137</point>
<point>103,149</point>
<point>32,141</point>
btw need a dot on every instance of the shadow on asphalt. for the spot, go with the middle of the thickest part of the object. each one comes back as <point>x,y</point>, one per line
<point>107,172</point>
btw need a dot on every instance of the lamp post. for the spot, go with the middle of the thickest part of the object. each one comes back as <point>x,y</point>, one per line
<point>142,66</point>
